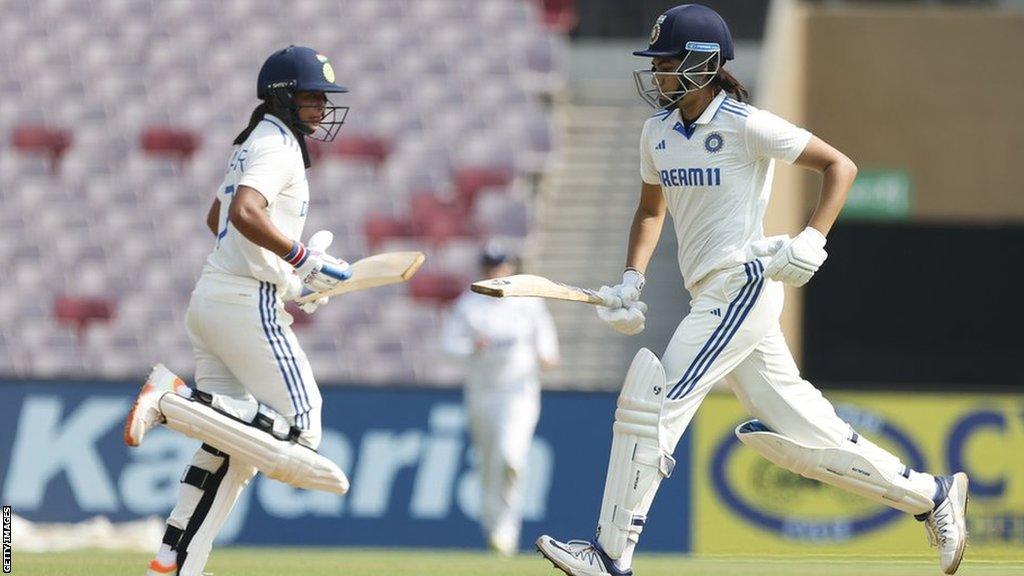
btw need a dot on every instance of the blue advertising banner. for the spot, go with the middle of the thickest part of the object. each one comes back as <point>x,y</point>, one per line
<point>406,452</point>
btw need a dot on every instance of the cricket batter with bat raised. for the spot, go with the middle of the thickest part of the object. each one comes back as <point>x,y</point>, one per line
<point>707,158</point>
<point>256,404</point>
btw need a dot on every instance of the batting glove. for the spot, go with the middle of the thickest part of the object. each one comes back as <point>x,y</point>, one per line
<point>318,271</point>
<point>799,260</point>
<point>628,320</point>
<point>629,289</point>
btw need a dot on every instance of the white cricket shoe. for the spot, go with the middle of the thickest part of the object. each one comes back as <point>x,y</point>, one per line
<point>145,413</point>
<point>579,557</point>
<point>946,524</point>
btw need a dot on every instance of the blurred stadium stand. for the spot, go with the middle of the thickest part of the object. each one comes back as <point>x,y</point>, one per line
<point>116,121</point>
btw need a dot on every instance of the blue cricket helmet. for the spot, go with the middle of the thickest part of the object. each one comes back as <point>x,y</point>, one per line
<point>300,69</point>
<point>688,24</point>
<point>699,38</point>
<point>297,67</point>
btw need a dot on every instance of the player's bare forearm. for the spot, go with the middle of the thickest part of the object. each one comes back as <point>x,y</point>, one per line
<point>249,218</point>
<point>646,228</point>
<point>213,216</point>
<point>838,173</point>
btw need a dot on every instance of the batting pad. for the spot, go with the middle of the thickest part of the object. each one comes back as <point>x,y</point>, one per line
<point>857,466</point>
<point>282,460</point>
<point>639,459</point>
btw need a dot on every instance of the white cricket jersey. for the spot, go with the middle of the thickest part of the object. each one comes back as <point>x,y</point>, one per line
<point>269,161</point>
<point>518,331</point>
<point>716,175</point>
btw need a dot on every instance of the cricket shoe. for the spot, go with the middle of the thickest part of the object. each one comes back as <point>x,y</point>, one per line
<point>946,524</point>
<point>158,569</point>
<point>579,557</point>
<point>145,413</point>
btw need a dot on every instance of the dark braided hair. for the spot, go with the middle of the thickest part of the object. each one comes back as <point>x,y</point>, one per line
<point>257,116</point>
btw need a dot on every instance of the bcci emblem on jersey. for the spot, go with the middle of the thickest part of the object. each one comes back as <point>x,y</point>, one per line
<point>714,142</point>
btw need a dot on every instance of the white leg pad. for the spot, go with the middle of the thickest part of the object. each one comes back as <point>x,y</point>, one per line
<point>279,459</point>
<point>856,466</point>
<point>639,459</point>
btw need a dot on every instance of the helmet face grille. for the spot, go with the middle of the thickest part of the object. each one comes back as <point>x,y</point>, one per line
<point>697,69</point>
<point>330,123</point>
<point>282,104</point>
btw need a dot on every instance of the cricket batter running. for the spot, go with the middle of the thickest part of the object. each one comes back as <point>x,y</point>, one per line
<point>707,158</point>
<point>255,396</point>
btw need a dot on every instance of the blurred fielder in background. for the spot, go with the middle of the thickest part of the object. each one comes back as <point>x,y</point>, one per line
<point>708,159</point>
<point>505,343</point>
<point>249,364</point>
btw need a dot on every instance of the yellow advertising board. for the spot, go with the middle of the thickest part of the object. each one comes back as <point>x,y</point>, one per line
<point>745,505</point>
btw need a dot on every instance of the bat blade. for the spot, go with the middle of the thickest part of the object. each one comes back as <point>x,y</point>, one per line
<point>374,271</point>
<point>537,286</point>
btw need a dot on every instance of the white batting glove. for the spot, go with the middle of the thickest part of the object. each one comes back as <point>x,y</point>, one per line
<point>799,260</point>
<point>768,247</point>
<point>629,289</point>
<point>318,271</point>
<point>628,320</point>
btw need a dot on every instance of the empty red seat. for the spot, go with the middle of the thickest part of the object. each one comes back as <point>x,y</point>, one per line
<point>365,148</point>
<point>441,287</point>
<point>79,312</point>
<point>377,227</point>
<point>470,180</point>
<point>439,220</point>
<point>169,141</point>
<point>45,140</point>
<point>560,15</point>
<point>368,148</point>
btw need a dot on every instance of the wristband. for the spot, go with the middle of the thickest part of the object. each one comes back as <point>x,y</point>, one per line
<point>297,256</point>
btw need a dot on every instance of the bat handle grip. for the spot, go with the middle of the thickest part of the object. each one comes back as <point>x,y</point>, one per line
<point>609,301</point>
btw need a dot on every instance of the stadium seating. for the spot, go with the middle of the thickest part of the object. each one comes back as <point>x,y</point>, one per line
<point>116,121</point>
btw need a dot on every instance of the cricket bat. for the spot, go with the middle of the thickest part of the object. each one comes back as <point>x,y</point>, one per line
<point>540,287</point>
<point>374,271</point>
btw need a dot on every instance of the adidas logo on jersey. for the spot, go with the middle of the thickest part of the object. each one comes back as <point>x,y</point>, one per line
<point>660,146</point>
<point>717,312</point>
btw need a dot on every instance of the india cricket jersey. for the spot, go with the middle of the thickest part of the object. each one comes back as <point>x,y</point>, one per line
<point>269,161</point>
<point>716,174</point>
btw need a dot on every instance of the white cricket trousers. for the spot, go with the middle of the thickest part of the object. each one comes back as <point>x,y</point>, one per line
<point>501,426</point>
<point>245,349</point>
<point>733,332</point>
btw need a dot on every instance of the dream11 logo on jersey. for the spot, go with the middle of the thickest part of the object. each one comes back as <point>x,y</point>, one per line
<point>799,508</point>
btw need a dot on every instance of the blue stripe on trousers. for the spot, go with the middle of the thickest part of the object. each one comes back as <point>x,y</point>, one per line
<point>743,310</point>
<point>277,357</point>
<point>706,349</point>
<point>738,310</point>
<point>290,359</point>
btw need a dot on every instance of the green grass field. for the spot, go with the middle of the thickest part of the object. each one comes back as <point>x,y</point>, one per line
<point>378,562</point>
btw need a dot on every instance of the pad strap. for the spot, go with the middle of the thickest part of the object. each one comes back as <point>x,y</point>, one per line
<point>196,476</point>
<point>172,536</point>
